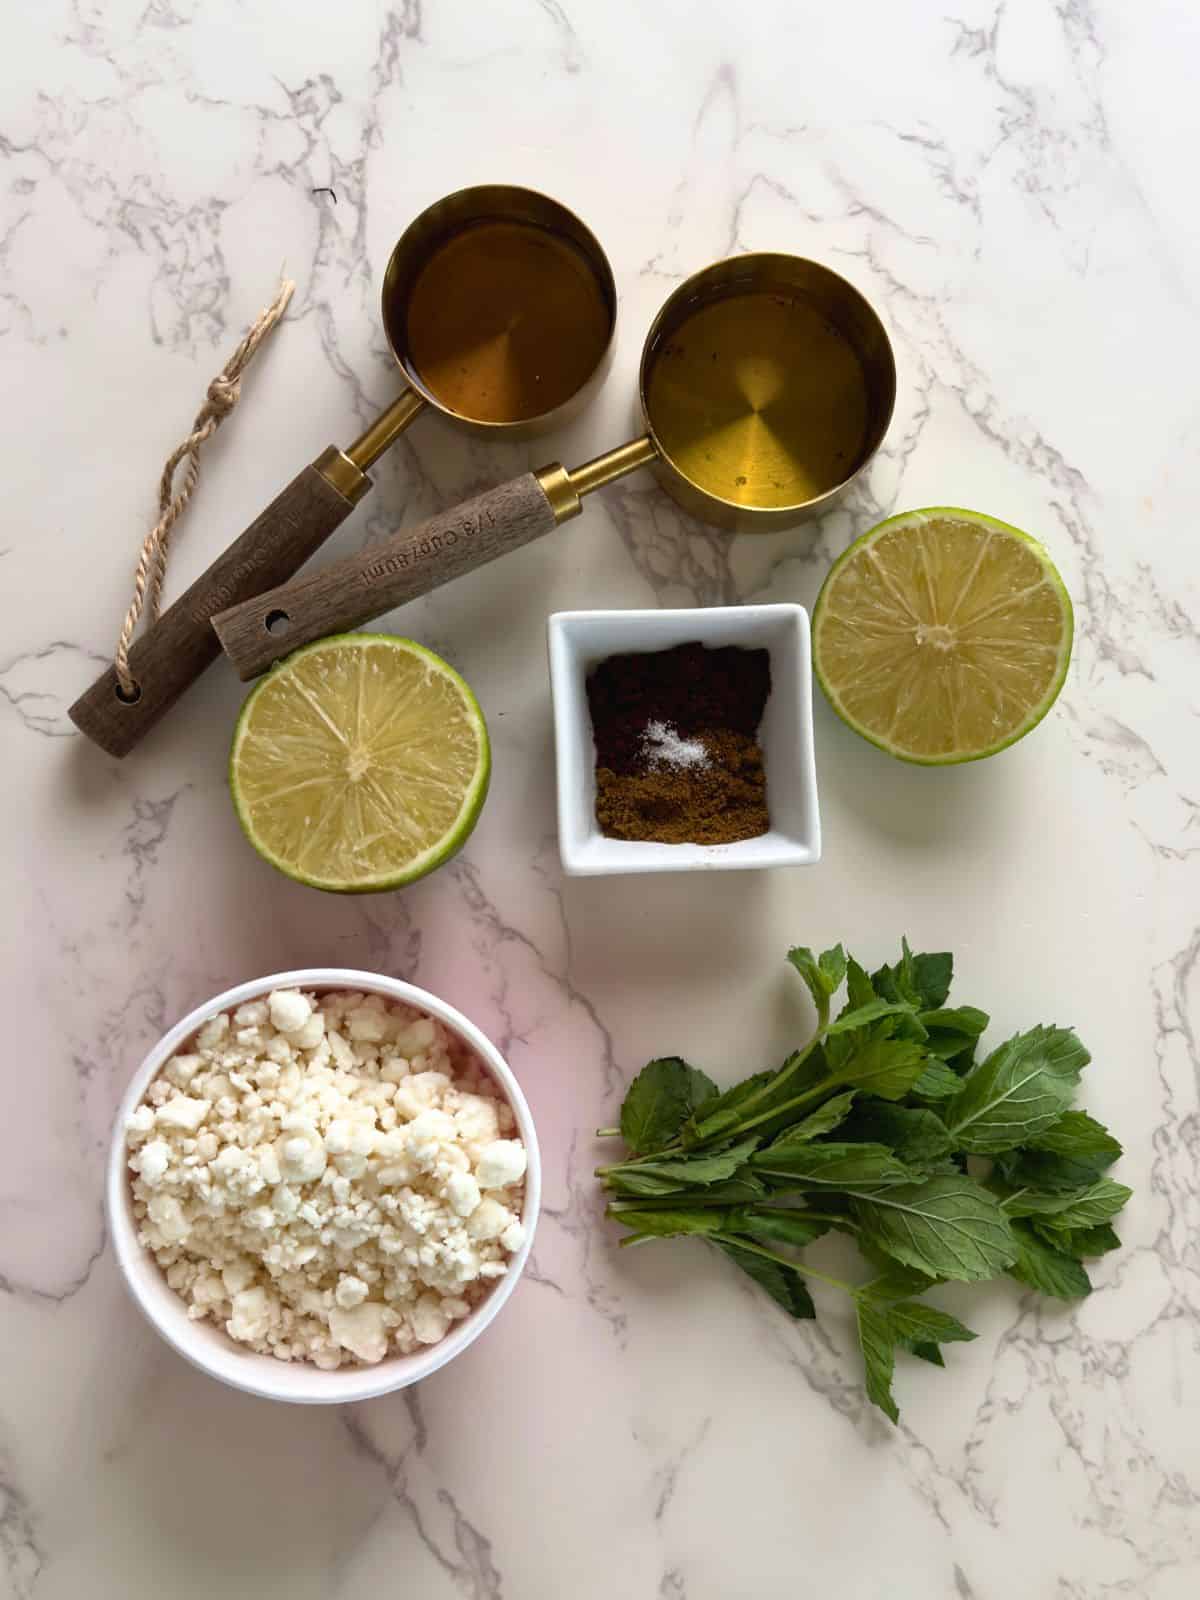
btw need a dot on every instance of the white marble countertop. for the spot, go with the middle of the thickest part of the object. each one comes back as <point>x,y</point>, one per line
<point>1012,184</point>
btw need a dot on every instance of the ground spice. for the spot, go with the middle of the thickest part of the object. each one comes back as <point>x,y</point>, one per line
<point>714,698</point>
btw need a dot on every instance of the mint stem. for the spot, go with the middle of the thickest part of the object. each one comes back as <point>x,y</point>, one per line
<point>608,1133</point>
<point>821,1090</point>
<point>794,1064</point>
<point>785,1072</point>
<point>804,1271</point>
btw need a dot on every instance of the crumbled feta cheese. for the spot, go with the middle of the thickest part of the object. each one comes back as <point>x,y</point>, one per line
<point>429,1319</point>
<point>350,1291</point>
<point>500,1164</point>
<point>301,1152</point>
<point>140,1123</point>
<point>317,1189</point>
<point>182,1069</point>
<point>151,1162</point>
<point>360,1329</point>
<point>289,1010</point>
<point>462,1192</point>
<point>367,1025</point>
<point>476,1118</point>
<point>251,1315</point>
<point>488,1220</point>
<point>169,1225</point>
<point>182,1111</point>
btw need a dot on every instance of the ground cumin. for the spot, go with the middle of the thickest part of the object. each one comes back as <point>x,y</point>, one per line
<point>713,697</point>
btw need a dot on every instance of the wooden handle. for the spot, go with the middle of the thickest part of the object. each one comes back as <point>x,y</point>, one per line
<point>171,655</point>
<point>351,592</point>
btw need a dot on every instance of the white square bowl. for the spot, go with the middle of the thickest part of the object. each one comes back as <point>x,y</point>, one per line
<point>580,640</point>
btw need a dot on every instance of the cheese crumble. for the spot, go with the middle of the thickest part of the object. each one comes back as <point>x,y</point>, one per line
<point>329,1178</point>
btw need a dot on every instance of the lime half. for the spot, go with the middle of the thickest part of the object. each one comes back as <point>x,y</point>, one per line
<point>942,635</point>
<point>359,763</point>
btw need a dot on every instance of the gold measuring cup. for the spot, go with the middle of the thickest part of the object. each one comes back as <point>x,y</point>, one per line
<point>499,306</point>
<point>767,383</point>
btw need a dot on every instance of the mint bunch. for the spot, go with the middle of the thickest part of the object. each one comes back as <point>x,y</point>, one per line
<point>885,1127</point>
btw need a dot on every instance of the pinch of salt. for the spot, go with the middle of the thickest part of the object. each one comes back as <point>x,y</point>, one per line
<point>664,746</point>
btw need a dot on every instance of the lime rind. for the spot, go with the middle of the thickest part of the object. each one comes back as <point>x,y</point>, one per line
<point>1036,713</point>
<point>455,836</point>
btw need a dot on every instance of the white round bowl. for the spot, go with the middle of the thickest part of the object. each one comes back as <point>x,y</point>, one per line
<point>208,1346</point>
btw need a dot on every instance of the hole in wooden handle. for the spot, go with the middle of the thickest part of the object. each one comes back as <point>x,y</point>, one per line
<point>277,622</point>
<point>128,697</point>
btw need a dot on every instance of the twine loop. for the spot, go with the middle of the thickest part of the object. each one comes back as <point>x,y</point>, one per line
<point>220,399</point>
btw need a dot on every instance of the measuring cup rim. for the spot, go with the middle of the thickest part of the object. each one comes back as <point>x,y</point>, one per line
<point>579,234</point>
<point>738,508</point>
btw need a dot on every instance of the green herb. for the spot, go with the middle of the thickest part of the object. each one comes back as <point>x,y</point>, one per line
<point>920,1139</point>
<point>947,1227</point>
<point>1081,1208</point>
<point>851,1168</point>
<point>1043,1266</point>
<point>939,1081</point>
<point>660,1100</point>
<point>883,1127</point>
<point>781,1282</point>
<point>1019,1092</point>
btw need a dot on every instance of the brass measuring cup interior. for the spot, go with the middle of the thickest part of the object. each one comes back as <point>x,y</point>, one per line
<point>499,305</point>
<point>767,383</point>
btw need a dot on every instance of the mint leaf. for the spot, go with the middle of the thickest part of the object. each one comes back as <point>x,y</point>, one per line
<point>1042,1267</point>
<point>937,1082</point>
<point>1071,1154</point>
<point>926,1352</point>
<point>709,1166</point>
<point>823,1120</point>
<point>933,975</point>
<point>777,1225</point>
<point>728,1192</point>
<point>1065,1054</point>
<point>659,1101</point>
<point>870,1012</point>
<point>823,974</point>
<point>635,1184</point>
<point>1084,1208</point>
<point>917,1138</point>
<point>785,1287</point>
<point>858,985</point>
<point>963,1022</point>
<point>834,1166</point>
<point>879,1356</point>
<point>877,1064</point>
<point>894,1281</point>
<point>833,967</point>
<point>659,1223</point>
<point>1038,1169</point>
<point>923,981</point>
<point>947,1227</point>
<point>632,1181</point>
<point>1085,1242</point>
<point>1019,1092</point>
<point>952,1034</point>
<point>1077,1135</point>
<point>913,1323</point>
